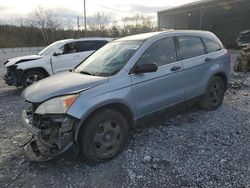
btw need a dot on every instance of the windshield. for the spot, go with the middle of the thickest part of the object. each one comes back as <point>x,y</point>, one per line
<point>50,48</point>
<point>110,59</point>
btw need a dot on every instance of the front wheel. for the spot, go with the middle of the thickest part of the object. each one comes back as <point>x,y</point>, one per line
<point>214,94</point>
<point>31,77</point>
<point>104,135</point>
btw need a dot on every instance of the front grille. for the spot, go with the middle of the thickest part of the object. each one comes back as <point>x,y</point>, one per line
<point>10,76</point>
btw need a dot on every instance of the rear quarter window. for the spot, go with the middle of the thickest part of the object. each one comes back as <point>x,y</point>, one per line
<point>190,46</point>
<point>211,46</point>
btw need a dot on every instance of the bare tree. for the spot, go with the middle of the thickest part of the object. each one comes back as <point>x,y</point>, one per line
<point>69,24</point>
<point>47,21</point>
<point>138,24</point>
<point>17,21</point>
<point>99,21</point>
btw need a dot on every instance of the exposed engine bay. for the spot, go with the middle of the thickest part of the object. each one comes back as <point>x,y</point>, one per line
<point>52,135</point>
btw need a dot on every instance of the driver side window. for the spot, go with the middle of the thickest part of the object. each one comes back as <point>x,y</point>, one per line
<point>70,48</point>
<point>161,52</point>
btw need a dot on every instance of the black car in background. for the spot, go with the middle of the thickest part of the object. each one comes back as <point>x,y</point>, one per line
<point>244,39</point>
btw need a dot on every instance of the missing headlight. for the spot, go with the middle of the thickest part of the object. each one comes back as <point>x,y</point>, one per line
<point>55,135</point>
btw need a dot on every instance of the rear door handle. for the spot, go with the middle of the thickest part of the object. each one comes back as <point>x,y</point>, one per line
<point>175,68</point>
<point>208,59</point>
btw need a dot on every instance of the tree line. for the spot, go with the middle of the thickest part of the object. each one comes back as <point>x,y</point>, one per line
<point>43,27</point>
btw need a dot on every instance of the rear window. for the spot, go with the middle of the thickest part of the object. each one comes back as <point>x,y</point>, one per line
<point>211,46</point>
<point>190,47</point>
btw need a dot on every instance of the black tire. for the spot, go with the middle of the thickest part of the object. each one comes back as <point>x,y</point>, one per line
<point>31,76</point>
<point>214,94</point>
<point>104,135</point>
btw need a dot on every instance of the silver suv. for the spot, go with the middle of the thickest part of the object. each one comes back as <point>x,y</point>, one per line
<point>94,106</point>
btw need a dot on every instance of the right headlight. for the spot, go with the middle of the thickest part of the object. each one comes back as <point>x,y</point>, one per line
<point>58,105</point>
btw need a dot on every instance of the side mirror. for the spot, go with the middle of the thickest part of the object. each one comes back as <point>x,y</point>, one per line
<point>145,68</point>
<point>57,53</point>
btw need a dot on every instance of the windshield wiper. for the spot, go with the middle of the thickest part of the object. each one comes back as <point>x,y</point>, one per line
<point>85,72</point>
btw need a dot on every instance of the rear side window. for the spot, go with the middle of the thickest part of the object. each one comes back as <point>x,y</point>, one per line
<point>161,52</point>
<point>211,46</point>
<point>190,47</point>
<point>100,43</point>
<point>81,46</point>
<point>90,45</point>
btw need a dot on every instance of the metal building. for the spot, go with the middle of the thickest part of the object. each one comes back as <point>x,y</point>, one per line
<point>226,18</point>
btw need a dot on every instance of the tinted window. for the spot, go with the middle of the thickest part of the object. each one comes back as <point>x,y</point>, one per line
<point>81,46</point>
<point>190,47</point>
<point>100,43</point>
<point>90,45</point>
<point>70,48</point>
<point>161,52</point>
<point>211,46</point>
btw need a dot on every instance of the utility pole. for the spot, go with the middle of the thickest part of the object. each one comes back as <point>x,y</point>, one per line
<point>78,23</point>
<point>85,19</point>
<point>202,11</point>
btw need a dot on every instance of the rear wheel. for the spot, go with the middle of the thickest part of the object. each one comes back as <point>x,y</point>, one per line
<point>214,94</point>
<point>32,77</point>
<point>104,135</point>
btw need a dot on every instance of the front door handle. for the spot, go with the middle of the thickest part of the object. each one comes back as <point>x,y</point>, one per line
<point>175,68</point>
<point>208,59</point>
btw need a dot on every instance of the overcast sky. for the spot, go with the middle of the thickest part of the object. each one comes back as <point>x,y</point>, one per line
<point>73,8</point>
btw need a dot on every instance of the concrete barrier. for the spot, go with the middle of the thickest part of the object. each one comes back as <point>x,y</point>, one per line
<point>21,49</point>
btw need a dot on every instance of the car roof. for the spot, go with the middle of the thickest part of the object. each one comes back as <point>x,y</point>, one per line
<point>142,36</point>
<point>86,39</point>
<point>245,32</point>
<point>93,38</point>
<point>151,35</point>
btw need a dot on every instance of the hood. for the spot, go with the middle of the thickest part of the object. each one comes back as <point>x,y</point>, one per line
<point>21,59</point>
<point>61,84</point>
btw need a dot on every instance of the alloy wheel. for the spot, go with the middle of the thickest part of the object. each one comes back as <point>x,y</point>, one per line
<point>32,79</point>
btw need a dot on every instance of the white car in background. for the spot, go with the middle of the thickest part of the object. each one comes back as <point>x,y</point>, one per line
<point>60,56</point>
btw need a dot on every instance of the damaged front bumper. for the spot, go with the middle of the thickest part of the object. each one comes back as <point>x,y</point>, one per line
<point>13,76</point>
<point>52,136</point>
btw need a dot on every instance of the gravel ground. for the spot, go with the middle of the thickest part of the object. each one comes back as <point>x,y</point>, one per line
<point>193,148</point>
